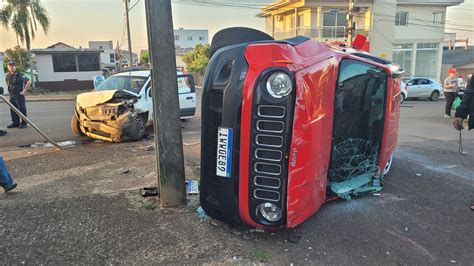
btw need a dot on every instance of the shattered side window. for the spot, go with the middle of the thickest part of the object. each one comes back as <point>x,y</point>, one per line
<point>358,128</point>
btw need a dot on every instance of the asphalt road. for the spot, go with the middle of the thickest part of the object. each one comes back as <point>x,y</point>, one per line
<point>53,118</point>
<point>82,206</point>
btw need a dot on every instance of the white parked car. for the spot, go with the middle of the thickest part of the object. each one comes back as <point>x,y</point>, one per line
<point>121,107</point>
<point>422,87</point>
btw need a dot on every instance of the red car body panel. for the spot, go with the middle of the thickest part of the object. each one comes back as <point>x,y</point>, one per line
<point>310,148</point>
<point>311,140</point>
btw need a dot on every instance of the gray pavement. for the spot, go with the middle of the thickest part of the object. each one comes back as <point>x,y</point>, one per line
<point>82,206</point>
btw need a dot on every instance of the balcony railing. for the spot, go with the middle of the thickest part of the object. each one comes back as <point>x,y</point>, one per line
<point>325,34</point>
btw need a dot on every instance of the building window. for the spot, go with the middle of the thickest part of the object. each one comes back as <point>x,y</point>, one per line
<point>402,55</point>
<point>426,59</point>
<point>190,38</point>
<point>100,47</point>
<point>437,18</point>
<point>64,63</point>
<point>334,24</point>
<point>201,38</point>
<point>401,18</point>
<point>176,37</point>
<point>88,62</point>
<point>112,58</point>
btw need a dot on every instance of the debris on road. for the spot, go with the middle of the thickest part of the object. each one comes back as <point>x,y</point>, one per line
<point>192,187</point>
<point>150,147</point>
<point>149,192</point>
<point>125,172</point>
<point>68,143</point>
<point>202,214</point>
<point>191,144</point>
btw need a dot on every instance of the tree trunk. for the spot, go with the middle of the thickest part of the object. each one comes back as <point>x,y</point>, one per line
<point>28,48</point>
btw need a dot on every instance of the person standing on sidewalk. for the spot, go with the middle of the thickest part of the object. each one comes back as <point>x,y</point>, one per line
<point>18,85</point>
<point>466,108</point>
<point>450,86</point>
<point>6,181</point>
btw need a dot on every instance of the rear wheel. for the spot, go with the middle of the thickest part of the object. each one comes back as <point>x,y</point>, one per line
<point>236,35</point>
<point>388,166</point>
<point>76,126</point>
<point>434,96</point>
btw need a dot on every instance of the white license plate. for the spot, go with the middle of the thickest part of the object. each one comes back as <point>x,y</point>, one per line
<point>224,152</point>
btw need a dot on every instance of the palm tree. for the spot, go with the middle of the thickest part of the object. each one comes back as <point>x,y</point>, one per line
<point>23,16</point>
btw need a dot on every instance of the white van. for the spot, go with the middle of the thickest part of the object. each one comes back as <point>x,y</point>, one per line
<point>121,107</point>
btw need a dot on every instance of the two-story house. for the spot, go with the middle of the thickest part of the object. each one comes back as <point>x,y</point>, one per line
<point>409,32</point>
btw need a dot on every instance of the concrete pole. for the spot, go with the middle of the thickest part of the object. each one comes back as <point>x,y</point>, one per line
<point>130,54</point>
<point>168,139</point>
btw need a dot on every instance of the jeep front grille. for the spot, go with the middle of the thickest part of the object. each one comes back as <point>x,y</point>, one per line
<point>268,156</point>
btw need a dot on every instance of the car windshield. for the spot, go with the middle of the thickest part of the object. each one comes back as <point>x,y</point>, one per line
<point>128,83</point>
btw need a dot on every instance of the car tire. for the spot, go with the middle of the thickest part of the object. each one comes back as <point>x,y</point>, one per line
<point>139,129</point>
<point>434,96</point>
<point>76,126</point>
<point>236,35</point>
<point>388,166</point>
<point>402,98</point>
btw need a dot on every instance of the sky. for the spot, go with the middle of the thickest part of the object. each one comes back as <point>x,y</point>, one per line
<point>76,22</point>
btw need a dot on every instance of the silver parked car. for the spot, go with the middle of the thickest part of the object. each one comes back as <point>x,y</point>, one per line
<point>422,87</point>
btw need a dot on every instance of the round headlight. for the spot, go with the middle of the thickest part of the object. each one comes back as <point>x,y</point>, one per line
<point>270,212</point>
<point>279,84</point>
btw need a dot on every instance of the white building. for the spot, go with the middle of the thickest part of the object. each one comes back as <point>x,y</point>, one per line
<point>63,67</point>
<point>409,32</point>
<point>188,39</point>
<point>108,56</point>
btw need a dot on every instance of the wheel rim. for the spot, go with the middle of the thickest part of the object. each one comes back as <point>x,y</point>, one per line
<point>435,95</point>
<point>402,98</point>
<point>388,165</point>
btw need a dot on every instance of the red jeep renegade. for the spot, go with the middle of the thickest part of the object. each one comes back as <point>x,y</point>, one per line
<point>287,125</point>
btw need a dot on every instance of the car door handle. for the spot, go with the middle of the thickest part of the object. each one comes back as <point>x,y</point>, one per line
<point>189,98</point>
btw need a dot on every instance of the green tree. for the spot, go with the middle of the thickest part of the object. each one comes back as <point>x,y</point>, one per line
<point>18,55</point>
<point>23,16</point>
<point>197,59</point>
<point>145,58</point>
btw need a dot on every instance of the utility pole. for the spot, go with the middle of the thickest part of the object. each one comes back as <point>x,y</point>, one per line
<point>168,139</point>
<point>130,61</point>
<point>350,23</point>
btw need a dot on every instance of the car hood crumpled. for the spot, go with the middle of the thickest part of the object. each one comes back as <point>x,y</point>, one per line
<point>94,98</point>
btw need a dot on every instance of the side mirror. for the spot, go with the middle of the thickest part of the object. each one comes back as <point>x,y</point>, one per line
<point>1,90</point>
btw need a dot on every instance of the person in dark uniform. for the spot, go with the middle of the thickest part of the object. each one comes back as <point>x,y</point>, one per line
<point>18,85</point>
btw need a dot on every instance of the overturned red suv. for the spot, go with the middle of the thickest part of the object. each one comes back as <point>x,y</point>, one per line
<point>288,125</point>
